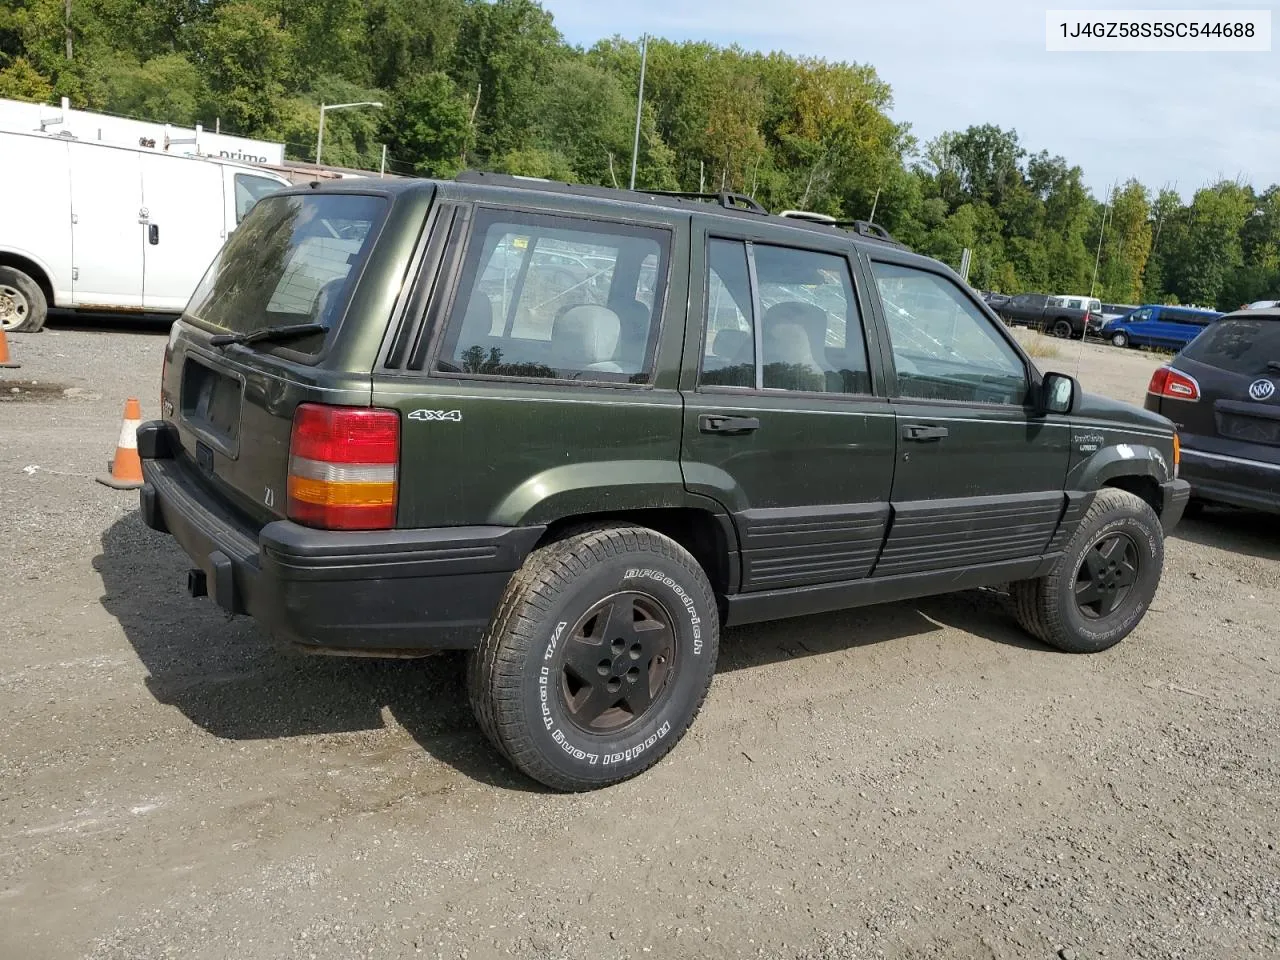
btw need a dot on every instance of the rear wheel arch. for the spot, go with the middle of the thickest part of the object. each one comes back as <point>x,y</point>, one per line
<point>708,536</point>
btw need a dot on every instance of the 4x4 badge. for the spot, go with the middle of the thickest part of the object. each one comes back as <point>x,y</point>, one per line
<point>455,415</point>
<point>1261,389</point>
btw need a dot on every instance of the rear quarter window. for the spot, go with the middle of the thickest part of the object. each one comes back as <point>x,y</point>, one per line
<point>294,259</point>
<point>1245,346</point>
<point>558,298</point>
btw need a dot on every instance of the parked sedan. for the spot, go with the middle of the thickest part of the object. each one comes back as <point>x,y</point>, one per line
<point>1223,393</point>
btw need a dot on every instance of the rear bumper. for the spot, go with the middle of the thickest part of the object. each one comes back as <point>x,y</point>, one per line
<point>1174,495</point>
<point>384,591</point>
<point>1238,481</point>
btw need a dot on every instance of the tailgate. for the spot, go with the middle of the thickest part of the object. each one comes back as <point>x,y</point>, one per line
<point>233,409</point>
<point>295,261</point>
<point>1236,364</point>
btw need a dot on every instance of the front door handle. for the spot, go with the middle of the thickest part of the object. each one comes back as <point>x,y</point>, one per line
<point>153,234</point>
<point>719,423</point>
<point>919,431</point>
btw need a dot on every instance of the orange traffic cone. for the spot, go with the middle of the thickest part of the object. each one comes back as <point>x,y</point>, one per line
<point>5,361</point>
<point>126,468</point>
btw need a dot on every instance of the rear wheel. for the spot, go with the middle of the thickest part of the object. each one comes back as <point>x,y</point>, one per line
<point>1119,339</point>
<point>1061,328</point>
<point>1103,583</point>
<point>23,307</point>
<point>598,658</point>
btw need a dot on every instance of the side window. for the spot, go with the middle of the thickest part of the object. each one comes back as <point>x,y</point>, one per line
<point>557,298</point>
<point>943,348</point>
<point>249,190</point>
<point>811,336</point>
<point>1138,316</point>
<point>729,350</point>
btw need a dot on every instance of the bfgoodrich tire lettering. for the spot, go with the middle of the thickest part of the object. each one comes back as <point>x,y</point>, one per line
<point>522,690</point>
<point>1119,531</point>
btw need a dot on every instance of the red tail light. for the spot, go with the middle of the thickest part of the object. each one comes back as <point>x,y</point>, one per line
<point>343,467</point>
<point>1170,383</point>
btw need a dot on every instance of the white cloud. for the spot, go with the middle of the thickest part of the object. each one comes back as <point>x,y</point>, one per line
<point>1163,118</point>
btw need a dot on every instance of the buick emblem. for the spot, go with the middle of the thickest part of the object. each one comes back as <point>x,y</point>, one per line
<point>1261,389</point>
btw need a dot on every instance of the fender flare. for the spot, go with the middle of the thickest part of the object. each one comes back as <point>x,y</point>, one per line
<point>1120,460</point>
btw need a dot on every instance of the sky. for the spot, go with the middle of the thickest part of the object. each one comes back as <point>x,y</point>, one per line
<point>1181,120</point>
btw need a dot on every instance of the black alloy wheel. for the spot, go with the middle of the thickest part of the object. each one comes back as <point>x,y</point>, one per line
<point>618,662</point>
<point>1107,572</point>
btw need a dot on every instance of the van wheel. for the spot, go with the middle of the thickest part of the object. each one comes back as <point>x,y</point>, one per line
<point>598,658</point>
<point>1103,583</point>
<point>23,307</point>
<point>1119,339</point>
<point>1062,328</point>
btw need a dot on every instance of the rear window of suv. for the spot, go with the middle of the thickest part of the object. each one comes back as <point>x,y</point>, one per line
<point>1239,345</point>
<point>292,260</point>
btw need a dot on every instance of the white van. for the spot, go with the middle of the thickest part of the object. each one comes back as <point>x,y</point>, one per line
<point>100,227</point>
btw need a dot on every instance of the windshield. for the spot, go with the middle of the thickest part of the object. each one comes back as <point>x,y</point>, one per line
<point>291,261</point>
<point>1238,345</point>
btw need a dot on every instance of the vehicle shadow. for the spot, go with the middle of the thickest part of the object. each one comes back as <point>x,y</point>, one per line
<point>109,321</point>
<point>1249,532</point>
<point>227,677</point>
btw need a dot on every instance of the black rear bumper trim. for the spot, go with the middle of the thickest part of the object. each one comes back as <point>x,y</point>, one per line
<point>393,590</point>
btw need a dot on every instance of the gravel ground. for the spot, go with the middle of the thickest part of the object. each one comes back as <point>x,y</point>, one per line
<point>914,780</point>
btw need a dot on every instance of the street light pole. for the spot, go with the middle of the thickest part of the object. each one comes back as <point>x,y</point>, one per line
<point>635,148</point>
<point>336,106</point>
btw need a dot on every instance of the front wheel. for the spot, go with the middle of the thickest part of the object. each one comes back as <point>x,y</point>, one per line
<point>1119,339</point>
<point>598,659</point>
<point>23,306</point>
<point>1101,587</point>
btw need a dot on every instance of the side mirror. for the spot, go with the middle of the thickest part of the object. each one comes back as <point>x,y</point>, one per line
<point>1058,393</point>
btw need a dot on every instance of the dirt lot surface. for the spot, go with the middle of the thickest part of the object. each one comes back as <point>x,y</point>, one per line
<point>914,780</point>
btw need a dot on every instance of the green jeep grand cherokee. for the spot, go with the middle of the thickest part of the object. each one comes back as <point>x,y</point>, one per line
<point>575,431</point>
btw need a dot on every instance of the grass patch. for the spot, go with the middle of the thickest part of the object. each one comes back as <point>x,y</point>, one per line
<point>1040,347</point>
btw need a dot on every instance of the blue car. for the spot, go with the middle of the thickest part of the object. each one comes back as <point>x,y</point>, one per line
<point>1154,325</point>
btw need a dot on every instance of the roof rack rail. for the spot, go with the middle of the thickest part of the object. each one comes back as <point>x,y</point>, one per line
<point>730,201</point>
<point>864,228</point>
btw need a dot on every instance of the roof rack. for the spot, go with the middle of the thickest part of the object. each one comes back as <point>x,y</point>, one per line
<point>864,228</point>
<point>726,199</point>
<point>730,201</point>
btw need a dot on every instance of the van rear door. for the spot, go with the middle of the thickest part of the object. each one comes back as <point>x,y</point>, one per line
<point>184,226</point>
<point>107,238</point>
<point>296,259</point>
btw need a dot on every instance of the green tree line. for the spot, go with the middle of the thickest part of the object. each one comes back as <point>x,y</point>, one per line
<point>493,85</point>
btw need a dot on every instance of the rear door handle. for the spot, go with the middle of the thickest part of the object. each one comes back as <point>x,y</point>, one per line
<point>719,423</point>
<point>919,431</point>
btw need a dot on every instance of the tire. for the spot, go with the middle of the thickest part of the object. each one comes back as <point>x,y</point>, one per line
<point>535,682</point>
<point>1047,608</point>
<point>1119,339</point>
<point>23,306</point>
<point>1062,328</point>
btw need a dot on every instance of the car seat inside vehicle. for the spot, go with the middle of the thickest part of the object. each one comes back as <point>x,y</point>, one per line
<point>585,337</point>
